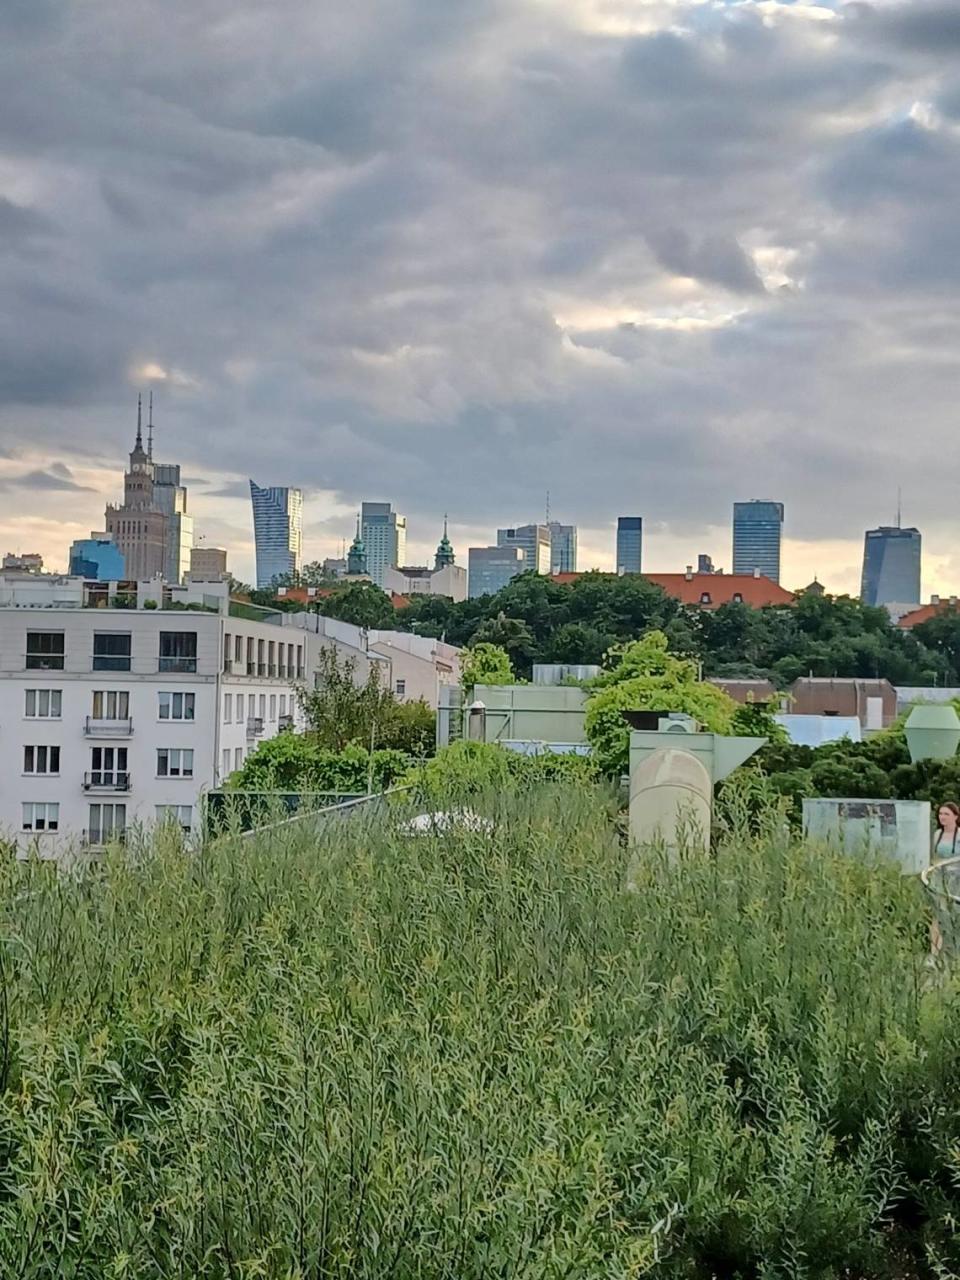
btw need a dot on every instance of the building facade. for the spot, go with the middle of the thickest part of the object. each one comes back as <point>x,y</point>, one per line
<point>629,544</point>
<point>491,568</point>
<point>31,562</point>
<point>533,540</point>
<point>208,563</point>
<point>563,547</point>
<point>891,566</point>
<point>97,557</point>
<point>277,531</point>
<point>384,535</point>
<point>115,717</point>
<point>757,533</point>
<point>171,497</point>
<point>450,580</point>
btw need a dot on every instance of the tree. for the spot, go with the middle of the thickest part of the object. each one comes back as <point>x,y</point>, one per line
<point>512,635</point>
<point>486,664</point>
<point>339,710</point>
<point>756,720</point>
<point>648,677</point>
<point>295,763</point>
<point>411,727</point>
<point>362,604</point>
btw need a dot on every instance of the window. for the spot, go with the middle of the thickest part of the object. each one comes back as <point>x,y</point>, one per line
<point>704,597</point>
<point>272,656</point>
<point>291,669</point>
<point>283,704</point>
<point>43,704</point>
<point>263,706</point>
<point>178,651</point>
<point>238,757</point>
<point>108,768</point>
<point>177,706</point>
<point>41,759</point>
<point>273,706</point>
<point>225,765</point>
<point>41,817</point>
<point>400,688</point>
<point>227,650</point>
<point>44,651</point>
<point>737,598</point>
<point>173,762</point>
<point>227,708</point>
<point>238,648</point>
<point>111,704</point>
<point>181,814</point>
<point>107,822</point>
<point>111,651</point>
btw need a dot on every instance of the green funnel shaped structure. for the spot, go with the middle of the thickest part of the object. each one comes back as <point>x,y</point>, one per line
<point>932,732</point>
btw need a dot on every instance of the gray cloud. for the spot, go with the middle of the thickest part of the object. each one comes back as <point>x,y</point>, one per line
<point>459,253</point>
<point>57,478</point>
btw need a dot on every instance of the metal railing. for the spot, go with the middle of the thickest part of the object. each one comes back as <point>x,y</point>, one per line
<point>108,727</point>
<point>106,780</point>
<point>254,726</point>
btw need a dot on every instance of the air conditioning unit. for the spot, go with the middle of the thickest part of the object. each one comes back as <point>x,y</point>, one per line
<point>677,722</point>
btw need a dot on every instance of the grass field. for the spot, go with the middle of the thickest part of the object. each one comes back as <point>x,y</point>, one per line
<point>343,1053</point>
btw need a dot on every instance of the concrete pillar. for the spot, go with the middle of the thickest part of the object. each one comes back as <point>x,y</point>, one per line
<point>670,800</point>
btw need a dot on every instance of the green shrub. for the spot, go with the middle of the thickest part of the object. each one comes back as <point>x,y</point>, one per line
<point>333,1051</point>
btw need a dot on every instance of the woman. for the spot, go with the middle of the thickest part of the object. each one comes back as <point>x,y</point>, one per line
<point>944,847</point>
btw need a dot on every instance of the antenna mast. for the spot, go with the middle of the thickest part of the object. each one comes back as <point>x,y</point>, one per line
<point>150,429</point>
<point>899,497</point>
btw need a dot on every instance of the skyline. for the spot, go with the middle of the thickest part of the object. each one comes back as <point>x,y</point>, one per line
<point>596,545</point>
<point>651,255</point>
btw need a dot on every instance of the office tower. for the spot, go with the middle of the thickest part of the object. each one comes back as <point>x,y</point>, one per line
<point>563,547</point>
<point>757,527</point>
<point>533,540</point>
<point>705,564</point>
<point>384,536</point>
<point>277,532</point>
<point>629,544</point>
<point>207,564</point>
<point>891,566</point>
<point>491,568</point>
<point>97,557</point>
<point>171,497</point>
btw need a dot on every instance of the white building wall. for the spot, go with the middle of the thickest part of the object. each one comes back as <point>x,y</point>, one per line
<point>141,731</point>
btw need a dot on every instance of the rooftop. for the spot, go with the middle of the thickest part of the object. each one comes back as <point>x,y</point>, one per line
<point>710,590</point>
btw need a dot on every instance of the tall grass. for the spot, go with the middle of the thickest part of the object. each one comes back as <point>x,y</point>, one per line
<point>346,1053</point>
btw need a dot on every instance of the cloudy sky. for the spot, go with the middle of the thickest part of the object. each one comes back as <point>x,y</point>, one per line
<point>651,255</point>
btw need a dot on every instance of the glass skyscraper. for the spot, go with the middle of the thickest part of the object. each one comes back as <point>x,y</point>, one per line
<point>757,527</point>
<point>277,531</point>
<point>563,547</point>
<point>891,566</point>
<point>629,544</point>
<point>491,568</point>
<point>384,535</point>
<point>533,540</point>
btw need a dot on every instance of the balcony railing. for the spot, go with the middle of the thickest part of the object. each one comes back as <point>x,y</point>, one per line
<point>254,726</point>
<point>251,668</point>
<point>106,780</point>
<point>188,665</point>
<point>97,838</point>
<point>105,727</point>
<point>285,722</point>
<point>261,668</point>
<point>299,673</point>
<point>272,669</point>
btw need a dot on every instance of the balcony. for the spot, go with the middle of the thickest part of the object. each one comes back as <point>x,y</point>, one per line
<point>285,722</point>
<point>254,726</point>
<point>107,780</point>
<point>96,838</point>
<point>261,668</point>
<point>183,665</point>
<point>299,673</point>
<point>95,727</point>
<point>251,668</point>
<point>272,670</point>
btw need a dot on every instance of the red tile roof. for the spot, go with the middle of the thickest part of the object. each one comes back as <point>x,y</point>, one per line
<point>925,613</point>
<point>711,589</point>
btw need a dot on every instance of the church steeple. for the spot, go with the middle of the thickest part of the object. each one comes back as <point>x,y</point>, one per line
<point>357,555</point>
<point>444,554</point>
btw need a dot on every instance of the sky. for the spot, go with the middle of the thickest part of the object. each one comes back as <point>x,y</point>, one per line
<point>651,256</point>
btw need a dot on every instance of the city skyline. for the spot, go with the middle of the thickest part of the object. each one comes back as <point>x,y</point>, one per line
<point>634,300</point>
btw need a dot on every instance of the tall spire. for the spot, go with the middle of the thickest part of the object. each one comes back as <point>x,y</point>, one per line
<point>444,554</point>
<point>139,442</point>
<point>357,556</point>
<point>150,428</point>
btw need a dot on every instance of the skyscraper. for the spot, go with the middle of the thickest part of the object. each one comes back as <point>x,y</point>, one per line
<point>563,547</point>
<point>491,568</point>
<point>757,527</point>
<point>151,528</point>
<point>277,531</point>
<point>533,540</point>
<point>891,566</point>
<point>98,558</point>
<point>384,535</point>
<point>629,544</point>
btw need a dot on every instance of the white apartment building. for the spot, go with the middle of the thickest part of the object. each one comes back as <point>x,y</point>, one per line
<point>114,716</point>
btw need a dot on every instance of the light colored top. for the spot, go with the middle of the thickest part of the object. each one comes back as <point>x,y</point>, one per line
<point>946,846</point>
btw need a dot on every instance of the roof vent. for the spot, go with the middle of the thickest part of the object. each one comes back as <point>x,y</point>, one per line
<point>689,573</point>
<point>756,573</point>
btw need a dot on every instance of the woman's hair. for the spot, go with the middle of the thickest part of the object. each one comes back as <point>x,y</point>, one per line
<point>955,810</point>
